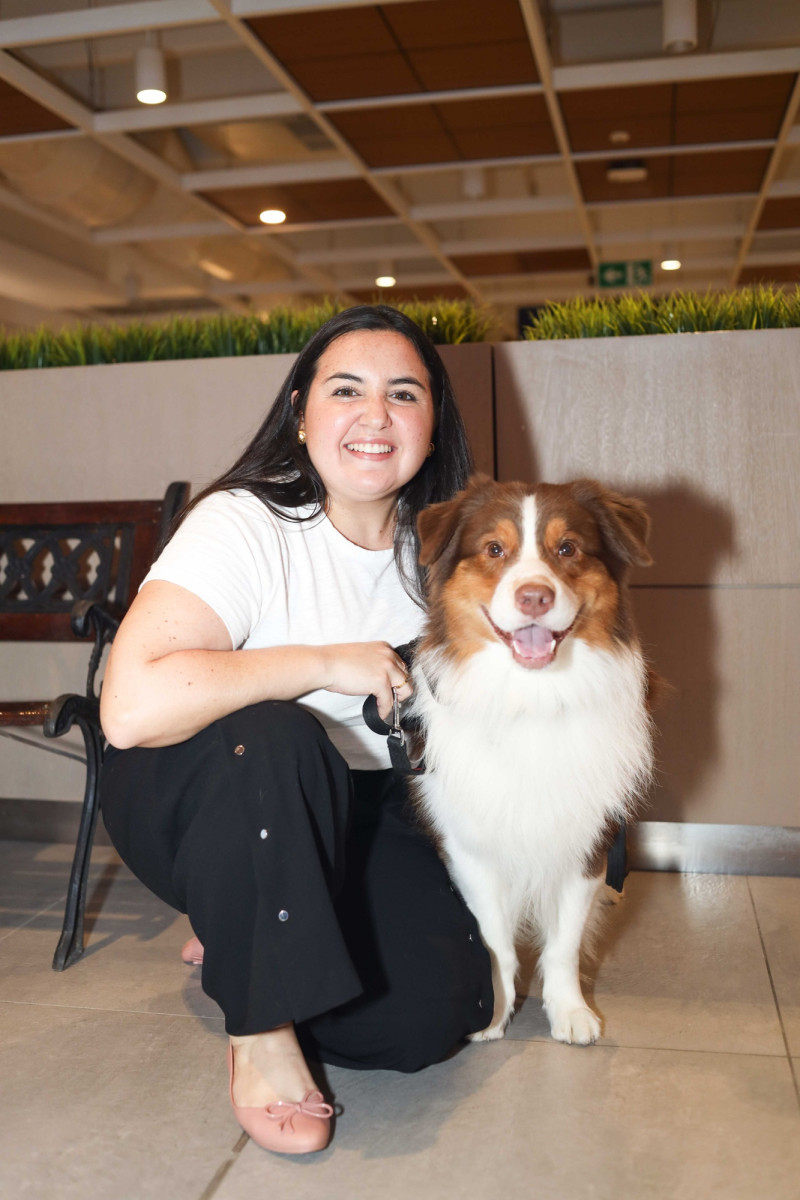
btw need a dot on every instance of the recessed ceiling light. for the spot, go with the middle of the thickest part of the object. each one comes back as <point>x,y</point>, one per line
<point>619,137</point>
<point>626,170</point>
<point>385,281</point>
<point>272,216</point>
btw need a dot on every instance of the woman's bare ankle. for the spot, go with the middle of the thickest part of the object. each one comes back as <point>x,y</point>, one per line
<point>269,1066</point>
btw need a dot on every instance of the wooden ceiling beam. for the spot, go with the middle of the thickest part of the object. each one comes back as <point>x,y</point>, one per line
<point>104,21</point>
<point>534,24</point>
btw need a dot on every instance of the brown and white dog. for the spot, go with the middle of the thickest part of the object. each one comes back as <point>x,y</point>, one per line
<point>531,689</point>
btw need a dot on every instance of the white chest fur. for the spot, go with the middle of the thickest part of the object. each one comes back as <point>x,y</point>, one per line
<point>527,767</point>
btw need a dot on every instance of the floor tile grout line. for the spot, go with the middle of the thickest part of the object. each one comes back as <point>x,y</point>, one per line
<point>541,1041</point>
<point>132,1012</point>
<point>47,908</point>
<point>213,1185</point>
<point>789,1058</point>
<point>549,1041</point>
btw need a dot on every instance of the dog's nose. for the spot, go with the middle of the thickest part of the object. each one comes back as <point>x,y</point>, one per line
<point>534,599</point>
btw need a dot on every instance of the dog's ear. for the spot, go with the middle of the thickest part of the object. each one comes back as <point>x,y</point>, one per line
<point>437,524</point>
<point>623,521</point>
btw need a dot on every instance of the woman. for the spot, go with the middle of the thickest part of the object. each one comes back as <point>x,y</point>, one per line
<point>240,783</point>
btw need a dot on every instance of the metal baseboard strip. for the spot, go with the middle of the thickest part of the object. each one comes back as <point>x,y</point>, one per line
<point>652,845</point>
<point>714,849</point>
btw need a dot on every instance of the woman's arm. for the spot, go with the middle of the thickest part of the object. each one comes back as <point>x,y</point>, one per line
<point>172,671</point>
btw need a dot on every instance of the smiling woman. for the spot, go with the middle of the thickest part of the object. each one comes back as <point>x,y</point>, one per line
<point>368,434</point>
<point>241,785</point>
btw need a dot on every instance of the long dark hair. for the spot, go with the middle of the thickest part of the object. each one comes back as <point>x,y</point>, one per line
<point>277,469</point>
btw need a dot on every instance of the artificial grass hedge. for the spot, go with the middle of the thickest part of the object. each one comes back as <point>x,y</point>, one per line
<point>759,307</point>
<point>282,331</point>
<point>447,322</point>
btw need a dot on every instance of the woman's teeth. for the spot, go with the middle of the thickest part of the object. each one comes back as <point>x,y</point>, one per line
<point>370,447</point>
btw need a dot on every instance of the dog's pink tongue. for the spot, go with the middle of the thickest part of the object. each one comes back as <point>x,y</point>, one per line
<point>532,642</point>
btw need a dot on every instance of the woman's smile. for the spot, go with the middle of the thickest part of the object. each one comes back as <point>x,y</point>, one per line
<point>371,449</point>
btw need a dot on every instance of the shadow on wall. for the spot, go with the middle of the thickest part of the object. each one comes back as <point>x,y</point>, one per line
<point>676,616</point>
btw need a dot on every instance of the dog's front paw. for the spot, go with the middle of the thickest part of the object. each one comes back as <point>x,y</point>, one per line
<point>492,1034</point>
<point>575,1025</point>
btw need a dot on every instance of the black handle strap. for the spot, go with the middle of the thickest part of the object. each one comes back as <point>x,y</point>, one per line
<point>394,734</point>
<point>617,865</point>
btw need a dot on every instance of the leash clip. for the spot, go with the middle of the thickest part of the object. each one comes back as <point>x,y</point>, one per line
<point>396,732</point>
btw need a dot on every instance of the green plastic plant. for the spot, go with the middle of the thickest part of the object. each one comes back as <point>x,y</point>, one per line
<point>760,307</point>
<point>283,331</point>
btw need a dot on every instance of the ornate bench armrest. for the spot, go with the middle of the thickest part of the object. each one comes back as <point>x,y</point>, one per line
<point>89,616</point>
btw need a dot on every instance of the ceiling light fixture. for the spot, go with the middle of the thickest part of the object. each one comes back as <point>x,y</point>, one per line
<point>386,276</point>
<point>473,183</point>
<point>626,170</point>
<point>216,269</point>
<point>151,72</point>
<point>670,260</point>
<point>619,137</point>
<point>272,216</point>
<point>679,26</point>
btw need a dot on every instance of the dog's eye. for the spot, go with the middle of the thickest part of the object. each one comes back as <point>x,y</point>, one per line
<point>567,549</point>
<point>495,550</point>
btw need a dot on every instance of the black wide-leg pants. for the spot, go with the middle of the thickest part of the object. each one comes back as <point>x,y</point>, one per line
<point>316,897</point>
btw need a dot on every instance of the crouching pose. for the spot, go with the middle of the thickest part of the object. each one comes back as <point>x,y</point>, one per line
<point>240,784</point>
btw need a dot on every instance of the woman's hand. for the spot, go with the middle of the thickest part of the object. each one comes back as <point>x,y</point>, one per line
<point>367,669</point>
<point>172,671</point>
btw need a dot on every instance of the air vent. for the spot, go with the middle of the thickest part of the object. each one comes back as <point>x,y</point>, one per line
<point>156,307</point>
<point>308,132</point>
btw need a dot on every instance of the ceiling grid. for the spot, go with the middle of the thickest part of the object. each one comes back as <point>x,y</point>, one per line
<point>498,149</point>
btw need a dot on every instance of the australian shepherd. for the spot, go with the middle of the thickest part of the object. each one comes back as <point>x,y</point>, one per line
<point>531,691</point>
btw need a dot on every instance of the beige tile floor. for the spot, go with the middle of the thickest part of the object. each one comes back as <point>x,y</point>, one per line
<point>113,1080</point>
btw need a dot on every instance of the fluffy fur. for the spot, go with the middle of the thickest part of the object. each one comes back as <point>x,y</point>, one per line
<point>531,690</point>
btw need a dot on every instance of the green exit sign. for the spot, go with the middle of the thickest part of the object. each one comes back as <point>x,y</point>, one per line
<point>636,273</point>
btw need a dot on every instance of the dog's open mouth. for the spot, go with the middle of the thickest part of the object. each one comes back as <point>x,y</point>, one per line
<point>532,646</point>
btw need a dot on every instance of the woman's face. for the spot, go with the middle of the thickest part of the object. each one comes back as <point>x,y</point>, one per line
<point>369,416</point>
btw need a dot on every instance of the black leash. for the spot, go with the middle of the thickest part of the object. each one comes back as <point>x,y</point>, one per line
<point>617,862</point>
<point>395,734</point>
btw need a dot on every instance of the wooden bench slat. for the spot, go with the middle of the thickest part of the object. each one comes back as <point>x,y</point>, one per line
<point>82,512</point>
<point>23,712</point>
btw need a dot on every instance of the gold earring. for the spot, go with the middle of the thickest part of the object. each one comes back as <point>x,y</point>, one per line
<point>301,436</point>
<point>431,449</point>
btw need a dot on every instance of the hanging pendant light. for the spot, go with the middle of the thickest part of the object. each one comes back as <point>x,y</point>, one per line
<point>151,74</point>
<point>679,26</point>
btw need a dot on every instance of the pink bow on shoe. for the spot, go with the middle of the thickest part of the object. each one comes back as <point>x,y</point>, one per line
<point>285,1111</point>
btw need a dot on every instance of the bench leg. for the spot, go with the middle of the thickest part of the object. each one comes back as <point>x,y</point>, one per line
<point>70,944</point>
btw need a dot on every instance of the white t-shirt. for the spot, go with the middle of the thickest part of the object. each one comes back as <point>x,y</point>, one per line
<point>276,582</point>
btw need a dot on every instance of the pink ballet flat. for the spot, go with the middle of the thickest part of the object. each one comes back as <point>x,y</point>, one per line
<point>286,1127</point>
<point>192,952</point>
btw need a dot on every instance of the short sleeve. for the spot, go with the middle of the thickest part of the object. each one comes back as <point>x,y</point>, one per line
<point>227,553</point>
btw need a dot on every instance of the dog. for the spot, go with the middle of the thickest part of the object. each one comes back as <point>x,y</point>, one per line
<point>531,693</point>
